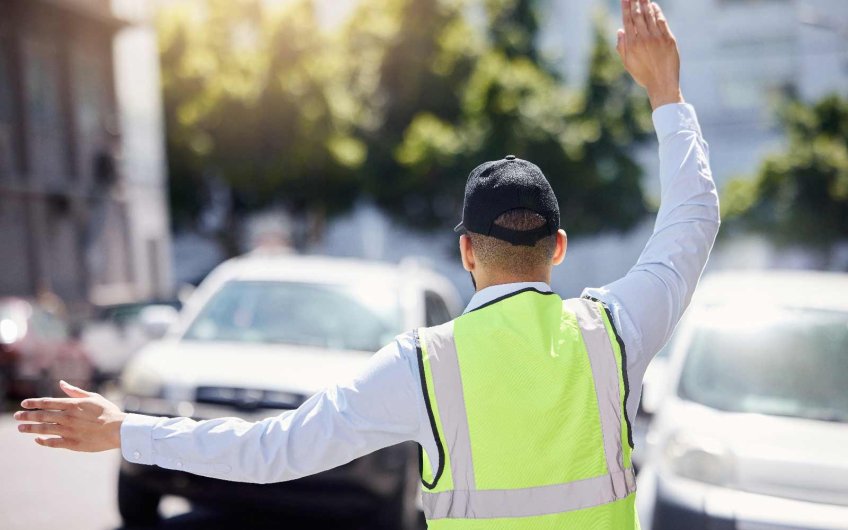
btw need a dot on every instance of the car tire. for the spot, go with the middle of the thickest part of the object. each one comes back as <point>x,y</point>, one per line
<point>401,512</point>
<point>137,504</point>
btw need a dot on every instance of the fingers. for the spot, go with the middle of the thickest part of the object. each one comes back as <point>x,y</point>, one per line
<point>50,403</point>
<point>42,416</point>
<point>620,46</point>
<point>627,17</point>
<point>44,428</point>
<point>637,12</point>
<point>59,443</point>
<point>74,391</point>
<point>662,23</point>
<point>650,15</point>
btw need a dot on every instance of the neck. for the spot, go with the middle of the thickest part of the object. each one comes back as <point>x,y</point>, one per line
<point>484,281</point>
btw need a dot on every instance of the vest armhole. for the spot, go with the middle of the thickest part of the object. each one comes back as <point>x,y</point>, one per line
<point>623,367</point>
<point>431,416</point>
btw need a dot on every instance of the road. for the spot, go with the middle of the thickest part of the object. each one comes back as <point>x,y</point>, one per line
<point>44,488</point>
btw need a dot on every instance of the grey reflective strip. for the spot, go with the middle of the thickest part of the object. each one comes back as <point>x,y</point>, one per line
<point>527,502</point>
<point>607,385</point>
<point>447,385</point>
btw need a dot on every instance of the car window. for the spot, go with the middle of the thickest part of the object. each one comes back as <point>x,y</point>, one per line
<point>352,317</point>
<point>436,309</point>
<point>783,362</point>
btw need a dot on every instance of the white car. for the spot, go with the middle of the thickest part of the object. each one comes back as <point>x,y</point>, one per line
<point>263,333</point>
<point>752,430</point>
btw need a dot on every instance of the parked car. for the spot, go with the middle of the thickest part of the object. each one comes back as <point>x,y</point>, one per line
<point>115,332</point>
<point>262,334</point>
<point>752,429</point>
<point>653,389</point>
<point>37,348</point>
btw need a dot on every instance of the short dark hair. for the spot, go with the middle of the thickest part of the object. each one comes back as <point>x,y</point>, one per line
<point>509,258</point>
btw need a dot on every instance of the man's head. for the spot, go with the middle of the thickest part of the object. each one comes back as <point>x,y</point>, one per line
<point>510,224</point>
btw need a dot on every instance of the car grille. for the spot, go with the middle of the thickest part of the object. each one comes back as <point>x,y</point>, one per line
<point>248,398</point>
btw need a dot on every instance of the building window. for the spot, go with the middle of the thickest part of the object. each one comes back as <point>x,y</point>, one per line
<point>88,78</point>
<point>46,135</point>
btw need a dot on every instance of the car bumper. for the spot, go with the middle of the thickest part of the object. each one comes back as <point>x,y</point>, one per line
<point>691,505</point>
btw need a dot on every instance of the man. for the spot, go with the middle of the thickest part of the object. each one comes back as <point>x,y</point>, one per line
<point>522,404</point>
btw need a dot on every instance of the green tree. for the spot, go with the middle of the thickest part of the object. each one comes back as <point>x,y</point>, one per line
<point>421,61</point>
<point>260,98</point>
<point>512,103</point>
<point>799,195</point>
<point>397,105</point>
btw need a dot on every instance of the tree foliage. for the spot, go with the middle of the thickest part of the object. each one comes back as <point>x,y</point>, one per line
<point>800,195</point>
<point>397,105</point>
<point>262,99</point>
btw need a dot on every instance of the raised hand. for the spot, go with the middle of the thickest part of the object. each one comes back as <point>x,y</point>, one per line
<point>649,51</point>
<point>85,421</point>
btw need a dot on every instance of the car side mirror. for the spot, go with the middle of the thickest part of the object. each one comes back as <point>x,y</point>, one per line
<point>184,293</point>
<point>157,319</point>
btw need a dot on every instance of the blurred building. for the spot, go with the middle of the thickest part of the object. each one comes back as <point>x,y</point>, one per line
<point>83,212</point>
<point>740,57</point>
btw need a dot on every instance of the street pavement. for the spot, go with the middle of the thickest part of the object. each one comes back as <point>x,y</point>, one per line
<point>43,489</point>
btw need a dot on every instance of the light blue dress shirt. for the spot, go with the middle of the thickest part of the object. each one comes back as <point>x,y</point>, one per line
<point>384,405</point>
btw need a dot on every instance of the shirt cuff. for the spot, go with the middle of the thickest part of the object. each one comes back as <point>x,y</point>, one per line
<point>137,438</point>
<point>673,118</point>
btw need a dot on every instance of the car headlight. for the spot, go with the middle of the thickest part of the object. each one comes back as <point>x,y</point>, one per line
<point>698,458</point>
<point>11,331</point>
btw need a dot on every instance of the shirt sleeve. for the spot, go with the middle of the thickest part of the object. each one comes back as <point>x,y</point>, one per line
<point>382,406</point>
<point>649,300</point>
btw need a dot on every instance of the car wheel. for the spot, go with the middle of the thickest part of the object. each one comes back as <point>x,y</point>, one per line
<point>400,512</point>
<point>137,504</point>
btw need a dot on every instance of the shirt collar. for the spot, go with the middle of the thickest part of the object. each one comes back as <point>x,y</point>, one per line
<point>487,295</point>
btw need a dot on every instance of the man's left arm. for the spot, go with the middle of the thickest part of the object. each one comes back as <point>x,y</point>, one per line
<point>378,408</point>
<point>650,299</point>
<point>647,303</point>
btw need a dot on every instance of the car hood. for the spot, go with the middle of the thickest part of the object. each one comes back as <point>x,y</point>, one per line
<point>185,365</point>
<point>772,455</point>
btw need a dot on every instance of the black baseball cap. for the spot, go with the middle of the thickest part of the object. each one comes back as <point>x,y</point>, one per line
<point>498,186</point>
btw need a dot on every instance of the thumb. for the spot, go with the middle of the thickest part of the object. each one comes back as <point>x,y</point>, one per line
<point>619,45</point>
<point>73,391</point>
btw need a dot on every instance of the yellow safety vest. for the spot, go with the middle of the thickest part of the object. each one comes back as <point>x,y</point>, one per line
<point>526,398</point>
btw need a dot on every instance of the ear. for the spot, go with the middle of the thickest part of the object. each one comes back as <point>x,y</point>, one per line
<point>561,245</point>
<point>467,253</point>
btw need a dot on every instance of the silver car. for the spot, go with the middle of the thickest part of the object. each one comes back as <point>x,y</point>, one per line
<point>262,334</point>
<point>752,429</point>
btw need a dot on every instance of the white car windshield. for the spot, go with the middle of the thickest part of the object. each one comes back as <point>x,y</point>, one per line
<point>349,317</point>
<point>781,362</point>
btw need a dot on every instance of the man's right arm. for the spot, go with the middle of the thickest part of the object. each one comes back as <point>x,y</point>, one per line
<point>379,407</point>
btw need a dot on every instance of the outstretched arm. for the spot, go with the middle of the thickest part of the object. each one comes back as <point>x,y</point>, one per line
<point>649,300</point>
<point>378,408</point>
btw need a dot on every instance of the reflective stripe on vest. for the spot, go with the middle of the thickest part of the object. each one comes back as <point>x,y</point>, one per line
<point>463,499</point>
